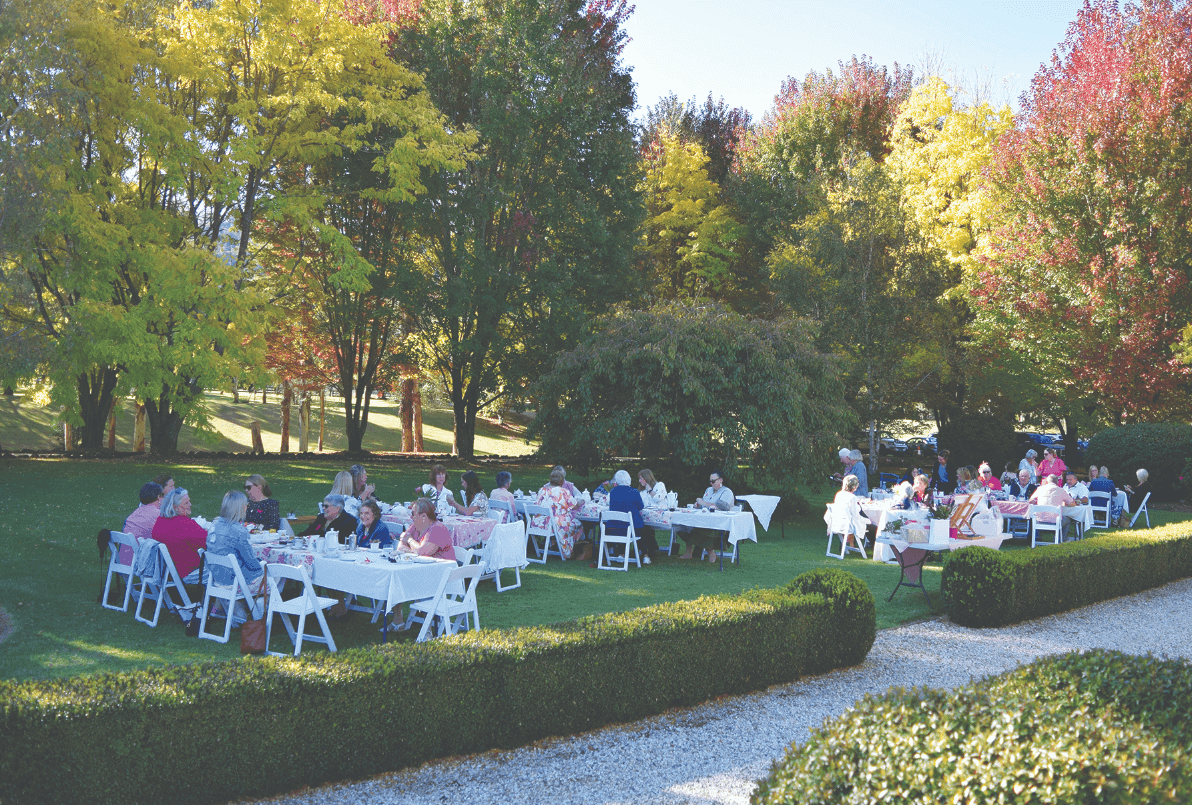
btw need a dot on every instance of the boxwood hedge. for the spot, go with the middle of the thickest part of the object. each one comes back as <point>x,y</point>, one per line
<point>1161,448</point>
<point>983,587</point>
<point>221,731</point>
<point>1100,727</point>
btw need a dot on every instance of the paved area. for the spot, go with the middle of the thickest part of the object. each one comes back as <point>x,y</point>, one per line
<point>714,753</point>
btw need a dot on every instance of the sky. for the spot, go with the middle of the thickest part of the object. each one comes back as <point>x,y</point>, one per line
<point>742,50</point>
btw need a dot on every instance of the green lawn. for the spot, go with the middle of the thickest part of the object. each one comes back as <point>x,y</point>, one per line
<point>26,424</point>
<point>51,575</point>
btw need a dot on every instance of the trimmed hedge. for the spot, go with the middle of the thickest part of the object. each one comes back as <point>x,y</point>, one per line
<point>1162,448</point>
<point>983,587</point>
<point>1100,727</point>
<point>251,728</point>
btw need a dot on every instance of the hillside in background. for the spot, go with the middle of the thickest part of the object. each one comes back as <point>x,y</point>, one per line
<point>26,424</point>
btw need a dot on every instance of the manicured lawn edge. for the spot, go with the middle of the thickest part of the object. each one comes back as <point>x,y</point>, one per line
<point>220,731</point>
<point>983,587</point>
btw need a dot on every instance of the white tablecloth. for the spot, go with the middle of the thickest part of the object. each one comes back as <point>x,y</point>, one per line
<point>739,525</point>
<point>763,506</point>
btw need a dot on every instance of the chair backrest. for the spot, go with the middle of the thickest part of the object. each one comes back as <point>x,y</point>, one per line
<point>515,530</point>
<point>504,506</point>
<point>610,516</point>
<point>231,562</point>
<point>532,511</point>
<point>1048,515</point>
<point>842,521</point>
<point>463,555</point>
<point>277,570</point>
<point>737,508</point>
<point>471,573</point>
<point>118,538</point>
<point>1142,506</point>
<point>1099,500</point>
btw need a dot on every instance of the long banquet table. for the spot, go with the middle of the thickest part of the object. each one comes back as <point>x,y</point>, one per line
<point>739,525</point>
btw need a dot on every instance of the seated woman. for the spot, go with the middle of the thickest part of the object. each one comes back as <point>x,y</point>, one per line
<point>1009,476</point>
<point>985,476</point>
<point>1093,473</point>
<point>501,492</point>
<point>229,537</point>
<point>343,485</point>
<point>903,496</point>
<point>361,488</point>
<point>181,535</point>
<point>1052,464</point>
<point>920,493</point>
<point>262,508</point>
<point>1103,483</point>
<point>370,527</point>
<point>1135,495</point>
<point>653,492</point>
<point>140,522</point>
<point>474,495</point>
<point>333,518</point>
<point>436,491</point>
<point>624,498</point>
<point>426,536</point>
<point>562,504</point>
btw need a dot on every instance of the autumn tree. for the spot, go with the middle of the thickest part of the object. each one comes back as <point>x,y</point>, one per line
<point>1087,273</point>
<point>519,246</point>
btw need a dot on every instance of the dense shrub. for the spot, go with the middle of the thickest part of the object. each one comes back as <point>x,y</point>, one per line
<point>982,587</point>
<point>853,626</point>
<point>252,728</point>
<point>1099,727</point>
<point>1160,448</point>
<point>974,438</point>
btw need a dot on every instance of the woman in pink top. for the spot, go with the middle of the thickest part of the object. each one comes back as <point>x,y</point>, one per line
<point>182,536</point>
<point>426,536</point>
<point>1052,464</point>
<point>985,476</point>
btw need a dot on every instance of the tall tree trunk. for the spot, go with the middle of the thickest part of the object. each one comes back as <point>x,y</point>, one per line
<point>165,425</point>
<point>322,416</point>
<point>304,423</point>
<point>407,414</point>
<point>138,430</point>
<point>67,437</point>
<point>464,431</point>
<point>96,389</point>
<point>258,445</point>
<point>264,395</point>
<point>419,447</point>
<point>235,390</point>
<point>112,424</point>
<point>287,394</point>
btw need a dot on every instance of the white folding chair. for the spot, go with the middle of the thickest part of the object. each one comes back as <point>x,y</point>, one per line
<point>842,523</point>
<point>1099,504</point>
<point>117,539</point>
<point>1142,510</point>
<point>464,555</point>
<point>604,560</point>
<point>452,609</point>
<point>159,589</point>
<point>239,591</point>
<point>547,532</point>
<point>510,513</point>
<point>1046,518</point>
<point>505,549</point>
<point>302,605</point>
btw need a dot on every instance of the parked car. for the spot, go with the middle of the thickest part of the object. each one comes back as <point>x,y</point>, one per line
<point>920,446</point>
<point>888,444</point>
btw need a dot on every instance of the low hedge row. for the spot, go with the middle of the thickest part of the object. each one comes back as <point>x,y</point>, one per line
<point>1100,727</point>
<point>221,731</point>
<point>983,587</point>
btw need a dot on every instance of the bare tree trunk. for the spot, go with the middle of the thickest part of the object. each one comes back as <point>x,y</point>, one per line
<point>418,446</point>
<point>67,437</point>
<point>258,446</point>
<point>407,414</point>
<point>235,389</point>
<point>287,395</point>
<point>264,395</point>
<point>138,430</point>
<point>304,423</point>
<point>112,424</point>
<point>322,416</point>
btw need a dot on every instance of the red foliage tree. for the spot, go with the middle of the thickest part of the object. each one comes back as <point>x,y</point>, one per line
<point>1088,275</point>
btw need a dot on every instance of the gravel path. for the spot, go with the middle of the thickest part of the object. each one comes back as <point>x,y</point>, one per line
<point>713,753</point>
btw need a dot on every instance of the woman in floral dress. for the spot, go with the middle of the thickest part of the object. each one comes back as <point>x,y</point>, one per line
<point>562,505</point>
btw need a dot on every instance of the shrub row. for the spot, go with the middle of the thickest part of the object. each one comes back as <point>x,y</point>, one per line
<point>1099,727</point>
<point>221,731</point>
<point>1161,448</point>
<point>983,587</point>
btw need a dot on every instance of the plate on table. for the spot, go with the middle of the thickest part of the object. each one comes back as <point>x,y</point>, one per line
<point>423,560</point>
<point>347,558</point>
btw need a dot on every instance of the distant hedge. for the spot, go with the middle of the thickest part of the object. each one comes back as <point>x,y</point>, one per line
<point>1162,449</point>
<point>222,731</point>
<point>1100,727</point>
<point>974,438</point>
<point>983,587</point>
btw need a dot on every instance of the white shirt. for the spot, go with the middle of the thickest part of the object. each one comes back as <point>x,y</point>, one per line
<point>655,497</point>
<point>1078,491</point>
<point>442,500</point>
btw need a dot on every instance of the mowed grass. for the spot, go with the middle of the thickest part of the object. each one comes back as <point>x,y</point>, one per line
<point>24,424</point>
<point>51,574</point>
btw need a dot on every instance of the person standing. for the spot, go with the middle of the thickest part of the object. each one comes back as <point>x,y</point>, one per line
<point>943,479</point>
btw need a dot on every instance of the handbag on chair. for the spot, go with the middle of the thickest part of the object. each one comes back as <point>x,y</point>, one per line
<point>252,632</point>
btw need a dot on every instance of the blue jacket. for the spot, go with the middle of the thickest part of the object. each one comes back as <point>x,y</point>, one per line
<point>231,539</point>
<point>625,499</point>
<point>380,531</point>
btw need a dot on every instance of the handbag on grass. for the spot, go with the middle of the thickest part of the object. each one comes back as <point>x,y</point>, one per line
<point>252,632</point>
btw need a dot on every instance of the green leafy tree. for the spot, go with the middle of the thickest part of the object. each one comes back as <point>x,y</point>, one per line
<point>520,246</point>
<point>703,384</point>
<point>688,235</point>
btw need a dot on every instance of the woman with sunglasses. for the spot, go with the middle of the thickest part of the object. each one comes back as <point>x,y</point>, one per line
<point>987,479</point>
<point>262,508</point>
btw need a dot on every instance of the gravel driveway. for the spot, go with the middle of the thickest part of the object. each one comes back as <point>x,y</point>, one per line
<point>713,753</point>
